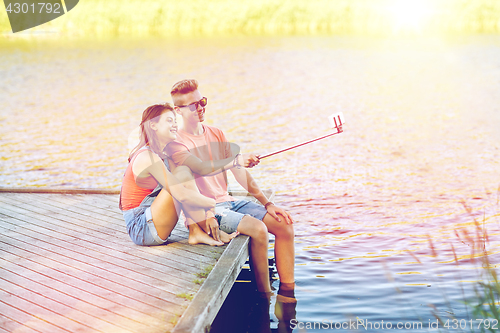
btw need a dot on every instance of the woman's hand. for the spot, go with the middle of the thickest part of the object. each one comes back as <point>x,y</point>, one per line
<point>212,225</point>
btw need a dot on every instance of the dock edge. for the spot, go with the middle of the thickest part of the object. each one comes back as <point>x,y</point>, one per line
<point>202,311</point>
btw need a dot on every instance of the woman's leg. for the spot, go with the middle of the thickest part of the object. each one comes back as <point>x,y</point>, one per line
<point>185,176</point>
<point>198,236</point>
<point>197,225</point>
<point>195,215</point>
<point>164,213</point>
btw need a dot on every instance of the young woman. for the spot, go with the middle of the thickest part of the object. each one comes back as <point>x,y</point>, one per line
<point>151,223</point>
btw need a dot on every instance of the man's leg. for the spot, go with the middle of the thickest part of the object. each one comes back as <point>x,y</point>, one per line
<point>231,221</point>
<point>284,248</point>
<point>259,242</point>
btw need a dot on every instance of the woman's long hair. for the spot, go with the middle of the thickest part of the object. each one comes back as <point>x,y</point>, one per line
<point>148,136</point>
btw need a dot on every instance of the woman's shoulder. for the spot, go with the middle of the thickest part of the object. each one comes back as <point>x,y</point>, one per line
<point>146,154</point>
<point>143,159</point>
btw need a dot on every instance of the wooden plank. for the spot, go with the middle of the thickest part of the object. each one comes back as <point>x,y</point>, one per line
<point>178,231</point>
<point>136,301</point>
<point>88,205</point>
<point>76,303</point>
<point>58,190</point>
<point>207,302</point>
<point>164,256</point>
<point>60,307</point>
<point>56,246</point>
<point>234,193</point>
<point>132,296</point>
<point>62,224</point>
<point>72,242</point>
<point>78,231</point>
<point>167,290</point>
<point>17,320</point>
<point>113,199</point>
<point>108,308</point>
<point>42,309</point>
<point>84,201</point>
<point>4,329</point>
<point>50,207</point>
<point>102,270</point>
<point>116,282</point>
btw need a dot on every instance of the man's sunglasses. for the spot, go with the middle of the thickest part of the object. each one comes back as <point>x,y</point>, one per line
<point>194,106</point>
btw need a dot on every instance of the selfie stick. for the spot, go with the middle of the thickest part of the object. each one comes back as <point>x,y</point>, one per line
<point>336,121</point>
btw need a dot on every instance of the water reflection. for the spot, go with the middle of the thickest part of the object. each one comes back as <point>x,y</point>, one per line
<point>246,310</point>
<point>285,308</point>
<point>418,158</point>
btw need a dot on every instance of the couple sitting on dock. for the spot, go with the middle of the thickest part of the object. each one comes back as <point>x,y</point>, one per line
<point>173,169</point>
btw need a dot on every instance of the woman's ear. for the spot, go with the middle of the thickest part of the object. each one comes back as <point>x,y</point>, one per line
<point>153,125</point>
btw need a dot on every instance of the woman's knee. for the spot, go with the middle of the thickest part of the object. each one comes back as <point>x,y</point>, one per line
<point>164,207</point>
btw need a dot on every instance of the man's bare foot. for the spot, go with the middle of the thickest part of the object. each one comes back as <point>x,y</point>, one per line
<point>198,236</point>
<point>226,238</point>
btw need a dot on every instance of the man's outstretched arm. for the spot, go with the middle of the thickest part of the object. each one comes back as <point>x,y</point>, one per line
<point>182,156</point>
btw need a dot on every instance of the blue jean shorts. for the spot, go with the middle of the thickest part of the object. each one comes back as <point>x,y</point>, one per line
<point>140,226</point>
<point>230,213</point>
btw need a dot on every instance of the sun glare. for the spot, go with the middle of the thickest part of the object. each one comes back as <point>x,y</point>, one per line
<point>410,15</point>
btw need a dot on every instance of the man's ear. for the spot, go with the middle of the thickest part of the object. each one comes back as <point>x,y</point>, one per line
<point>178,110</point>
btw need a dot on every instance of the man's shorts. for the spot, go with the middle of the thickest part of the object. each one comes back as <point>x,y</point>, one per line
<point>140,226</point>
<point>230,213</point>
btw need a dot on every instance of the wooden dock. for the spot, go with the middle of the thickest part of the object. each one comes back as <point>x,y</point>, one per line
<point>67,264</point>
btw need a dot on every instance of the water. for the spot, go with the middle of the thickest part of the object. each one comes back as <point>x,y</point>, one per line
<point>419,158</point>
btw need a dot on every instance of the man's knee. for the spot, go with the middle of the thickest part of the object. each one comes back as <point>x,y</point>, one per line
<point>280,229</point>
<point>258,228</point>
<point>287,231</point>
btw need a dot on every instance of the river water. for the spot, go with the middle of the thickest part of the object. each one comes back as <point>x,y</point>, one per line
<point>417,163</point>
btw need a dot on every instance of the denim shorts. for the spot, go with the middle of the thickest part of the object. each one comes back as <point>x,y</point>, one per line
<point>140,226</point>
<point>230,213</point>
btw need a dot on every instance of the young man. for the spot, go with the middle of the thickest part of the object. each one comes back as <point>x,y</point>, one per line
<point>198,143</point>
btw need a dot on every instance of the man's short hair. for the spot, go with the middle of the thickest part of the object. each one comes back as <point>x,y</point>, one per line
<point>184,87</point>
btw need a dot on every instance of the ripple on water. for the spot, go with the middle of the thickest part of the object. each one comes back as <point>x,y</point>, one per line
<point>418,159</point>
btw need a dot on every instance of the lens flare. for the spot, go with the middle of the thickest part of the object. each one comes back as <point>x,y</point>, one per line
<point>410,15</point>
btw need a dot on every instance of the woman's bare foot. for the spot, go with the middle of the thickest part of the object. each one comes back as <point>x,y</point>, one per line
<point>226,238</point>
<point>198,236</point>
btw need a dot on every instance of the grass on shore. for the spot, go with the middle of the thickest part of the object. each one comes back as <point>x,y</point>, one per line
<point>143,18</point>
<point>483,307</point>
